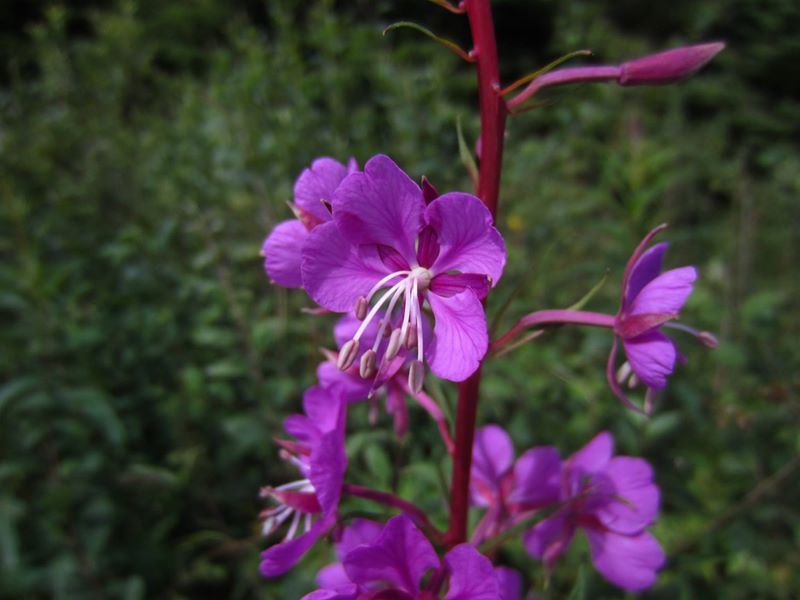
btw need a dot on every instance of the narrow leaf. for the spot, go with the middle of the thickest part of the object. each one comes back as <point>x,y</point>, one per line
<point>545,69</point>
<point>456,10</point>
<point>450,45</point>
<point>590,294</point>
<point>466,155</point>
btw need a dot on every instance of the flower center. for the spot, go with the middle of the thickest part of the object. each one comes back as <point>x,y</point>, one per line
<point>423,277</point>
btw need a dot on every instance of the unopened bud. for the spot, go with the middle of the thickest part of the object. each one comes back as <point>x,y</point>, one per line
<point>416,376</point>
<point>708,339</point>
<point>669,66</point>
<point>361,308</point>
<point>347,355</point>
<point>394,344</point>
<point>367,367</point>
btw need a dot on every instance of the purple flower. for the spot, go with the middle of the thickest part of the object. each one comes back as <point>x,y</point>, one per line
<point>391,565</point>
<point>614,500</point>
<point>510,491</point>
<point>311,502</point>
<point>650,299</point>
<point>313,191</point>
<point>385,235</point>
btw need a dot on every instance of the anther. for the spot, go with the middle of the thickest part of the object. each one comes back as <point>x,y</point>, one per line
<point>347,355</point>
<point>411,338</point>
<point>633,381</point>
<point>624,372</point>
<point>708,339</point>
<point>367,367</point>
<point>394,345</point>
<point>361,308</point>
<point>416,376</point>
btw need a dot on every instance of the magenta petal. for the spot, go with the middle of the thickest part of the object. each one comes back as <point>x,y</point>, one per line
<point>344,592</point>
<point>332,577</point>
<point>549,538</point>
<point>492,457</point>
<point>636,496</point>
<point>646,268</point>
<point>510,582</point>
<point>382,205</point>
<point>537,477</point>
<point>400,556</point>
<point>460,339</point>
<point>281,557</point>
<point>652,356</point>
<point>354,388</point>
<point>317,184</point>
<point>360,531</point>
<point>468,240</point>
<point>282,253</point>
<point>449,285</point>
<point>321,405</point>
<point>667,293</point>
<point>328,463</point>
<point>629,562</point>
<point>472,576</point>
<point>336,273</point>
<point>593,457</point>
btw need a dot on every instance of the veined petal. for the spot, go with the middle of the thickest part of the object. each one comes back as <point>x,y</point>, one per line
<point>628,561</point>
<point>667,293</point>
<point>353,386</point>
<point>460,339</point>
<point>399,556</point>
<point>317,184</point>
<point>468,240</point>
<point>332,577</point>
<point>328,463</point>
<point>360,531</point>
<point>646,268</point>
<point>448,285</point>
<point>472,576</point>
<point>637,497</point>
<point>382,205</point>
<point>282,252</point>
<point>336,273</point>
<point>537,477</point>
<point>492,457</point>
<point>652,356</point>
<point>322,406</point>
<point>279,558</point>
<point>593,457</point>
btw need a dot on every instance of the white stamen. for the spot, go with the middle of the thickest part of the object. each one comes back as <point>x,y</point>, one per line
<point>385,321</point>
<point>300,483</point>
<point>394,345</point>
<point>384,281</point>
<point>308,522</point>
<point>376,308</point>
<point>293,527</point>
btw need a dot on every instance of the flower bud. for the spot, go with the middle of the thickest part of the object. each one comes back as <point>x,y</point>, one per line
<point>669,66</point>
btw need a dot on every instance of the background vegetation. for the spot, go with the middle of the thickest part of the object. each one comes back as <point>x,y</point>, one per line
<point>146,148</point>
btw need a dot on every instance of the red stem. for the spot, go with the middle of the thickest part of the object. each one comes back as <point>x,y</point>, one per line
<point>412,510</point>
<point>493,119</point>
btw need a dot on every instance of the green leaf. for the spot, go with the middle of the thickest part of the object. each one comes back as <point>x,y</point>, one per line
<point>450,45</point>
<point>466,155</point>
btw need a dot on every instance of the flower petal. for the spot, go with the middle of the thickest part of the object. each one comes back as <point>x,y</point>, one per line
<point>510,582</point>
<point>336,273</point>
<point>593,457</point>
<point>492,457</point>
<point>360,531</point>
<point>549,538</point>
<point>282,253</point>
<point>354,388</point>
<point>281,557</point>
<point>537,478</point>
<point>637,497</point>
<point>611,377</point>
<point>400,556</point>
<point>468,240</point>
<point>449,285</point>
<point>317,184</point>
<point>652,356</point>
<point>646,268</point>
<point>328,464</point>
<point>667,293</point>
<point>345,592</point>
<point>628,561</point>
<point>382,205</point>
<point>472,576</point>
<point>460,339</point>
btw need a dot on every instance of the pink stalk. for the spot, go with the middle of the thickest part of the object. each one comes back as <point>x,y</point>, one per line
<point>416,514</point>
<point>554,317</point>
<point>493,119</point>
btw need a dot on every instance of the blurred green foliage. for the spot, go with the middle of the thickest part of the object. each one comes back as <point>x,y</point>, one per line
<point>146,148</point>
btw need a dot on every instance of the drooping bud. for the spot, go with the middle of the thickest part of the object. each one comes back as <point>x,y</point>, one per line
<point>361,308</point>
<point>669,66</point>
<point>416,376</point>
<point>367,367</point>
<point>347,355</point>
<point>394,344</point>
